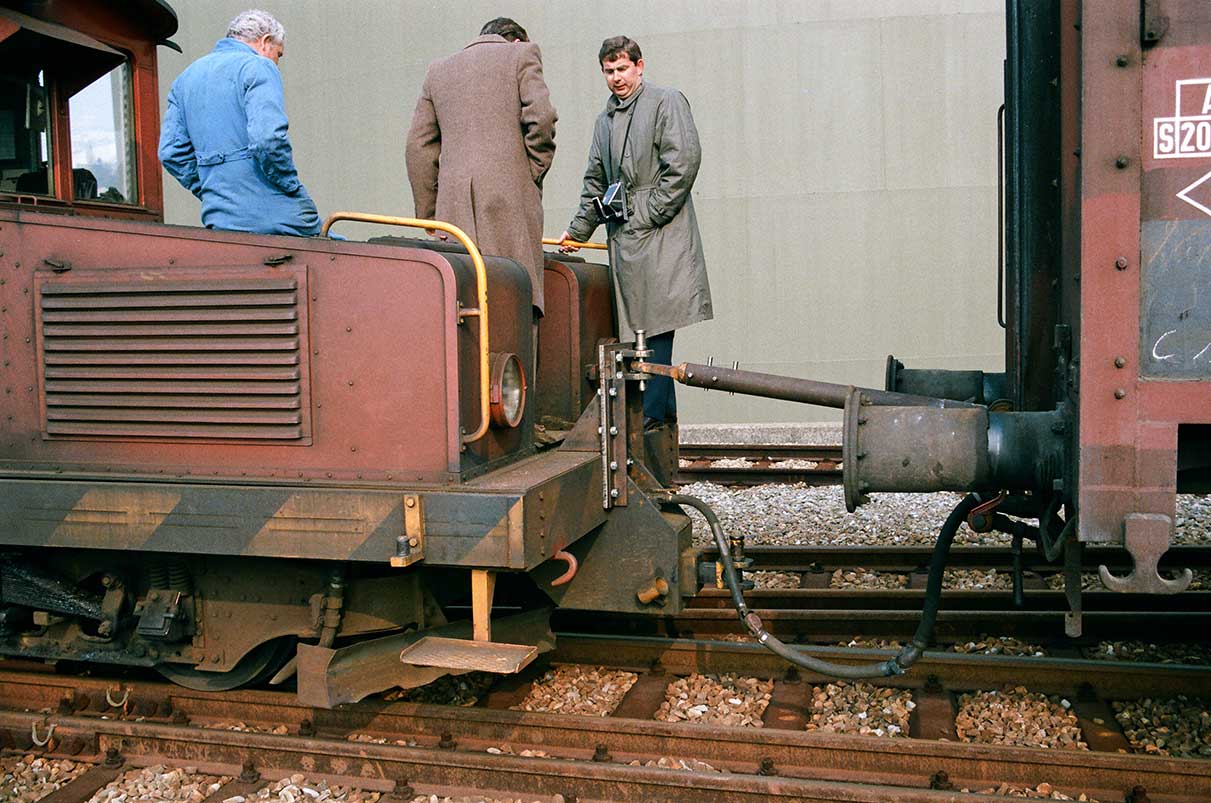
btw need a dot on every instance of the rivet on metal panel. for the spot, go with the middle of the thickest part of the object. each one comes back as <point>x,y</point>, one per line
<point>1121,263</point>
<point>1120,362</point>
<point>172,261</point>
<point>348,328</point>
<point>353,448</point>
<point>1121,162</point>
<point>1122,60</point>
<point>1119,393</point>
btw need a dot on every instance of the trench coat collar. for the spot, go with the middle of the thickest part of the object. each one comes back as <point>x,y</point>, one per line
<point>488,38</point>
<point>616,105</point>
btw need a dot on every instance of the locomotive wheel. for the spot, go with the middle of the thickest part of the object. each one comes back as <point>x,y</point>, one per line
<point>261,662</point>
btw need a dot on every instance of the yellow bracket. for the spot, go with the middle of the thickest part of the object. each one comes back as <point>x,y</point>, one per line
<point>481,283</point>
<point>574,244</point>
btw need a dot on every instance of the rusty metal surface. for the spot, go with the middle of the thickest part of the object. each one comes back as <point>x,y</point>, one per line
<point>466,655</point>
<point>384,344</point>
<point>578,314</point>
<point>636,545</point>
<point>517,518</point>
<point>329,677</point>
<point>1147,539</point>
<point>1140,230</point>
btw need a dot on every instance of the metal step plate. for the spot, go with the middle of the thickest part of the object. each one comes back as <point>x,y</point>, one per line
<point>454,653</point>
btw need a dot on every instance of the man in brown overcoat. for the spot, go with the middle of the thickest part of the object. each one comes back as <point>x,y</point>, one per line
<point>482,138</point>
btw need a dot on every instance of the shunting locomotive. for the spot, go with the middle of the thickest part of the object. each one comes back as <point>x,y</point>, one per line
<point>237,458</point>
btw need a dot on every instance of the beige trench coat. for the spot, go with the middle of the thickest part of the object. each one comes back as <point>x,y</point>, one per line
<point>656,256</point>
<point>482,138</point>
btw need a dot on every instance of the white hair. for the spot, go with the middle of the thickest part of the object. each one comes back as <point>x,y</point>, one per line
<point>251,25</point>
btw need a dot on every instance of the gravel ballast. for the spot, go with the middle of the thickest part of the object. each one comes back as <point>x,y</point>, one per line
<point>785,515</point>
<point>716,700</point>
<point>1018,717</point>
<point>593,691</point>
<point>861,708</point>
<point>1179,726</point>
<point>159,784</point>
<point>24,779</point>
<point>1146,652</point>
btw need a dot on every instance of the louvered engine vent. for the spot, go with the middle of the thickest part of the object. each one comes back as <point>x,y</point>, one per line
<point>175,358</point>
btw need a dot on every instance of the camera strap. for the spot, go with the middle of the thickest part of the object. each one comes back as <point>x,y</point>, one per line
<point>626,138</point>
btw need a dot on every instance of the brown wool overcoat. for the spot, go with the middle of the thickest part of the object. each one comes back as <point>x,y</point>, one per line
<point>482,138</point>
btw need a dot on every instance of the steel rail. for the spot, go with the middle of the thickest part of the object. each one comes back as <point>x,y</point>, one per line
<point>756,451</point>
<point>588,755</point>
<point>481,286</point>
<point>907,559</point>
<point>842,623</point>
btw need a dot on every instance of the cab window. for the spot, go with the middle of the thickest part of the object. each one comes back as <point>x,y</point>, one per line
<point>102,140</point>
<point>25,141</point>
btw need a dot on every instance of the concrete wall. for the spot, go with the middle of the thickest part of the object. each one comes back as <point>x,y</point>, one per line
<point>848,188</point>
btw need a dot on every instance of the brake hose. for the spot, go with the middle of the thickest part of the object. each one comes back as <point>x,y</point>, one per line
<point>908,655</point>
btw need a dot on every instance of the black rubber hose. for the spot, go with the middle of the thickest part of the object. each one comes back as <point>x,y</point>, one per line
<point>912,651</point>
<point>907,656</point>
<point>753,622</point>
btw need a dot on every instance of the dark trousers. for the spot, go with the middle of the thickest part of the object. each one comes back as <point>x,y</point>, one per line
<point>659,400</point>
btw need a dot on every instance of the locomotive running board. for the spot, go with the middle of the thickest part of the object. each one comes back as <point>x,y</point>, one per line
<point>329,677</point>
<point>461,654</point>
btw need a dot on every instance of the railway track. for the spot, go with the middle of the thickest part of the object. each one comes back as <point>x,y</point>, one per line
<point>405,750</point>
<point>749,464</point>
<point>816,613</point>
<point>409,751</point>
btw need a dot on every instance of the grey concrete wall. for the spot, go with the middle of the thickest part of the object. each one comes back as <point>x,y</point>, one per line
<point>848,188</point>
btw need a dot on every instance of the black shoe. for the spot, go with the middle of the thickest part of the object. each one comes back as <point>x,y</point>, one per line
<point>650,424</point>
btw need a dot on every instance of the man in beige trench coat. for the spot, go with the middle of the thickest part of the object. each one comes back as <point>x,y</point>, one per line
<point>482,138</point>
<point>646,140</point>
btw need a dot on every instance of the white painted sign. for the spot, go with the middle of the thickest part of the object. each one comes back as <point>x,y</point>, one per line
<point>1187,134</point>
<point>1201,201</point>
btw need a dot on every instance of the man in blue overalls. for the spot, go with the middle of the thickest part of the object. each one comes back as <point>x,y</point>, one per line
<point>225,139</point>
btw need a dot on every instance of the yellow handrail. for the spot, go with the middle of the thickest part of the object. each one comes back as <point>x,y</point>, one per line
<point>574,244</point>
<point>481,282</point>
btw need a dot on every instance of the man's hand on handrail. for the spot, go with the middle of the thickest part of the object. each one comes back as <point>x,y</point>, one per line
<point>565,244</point>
